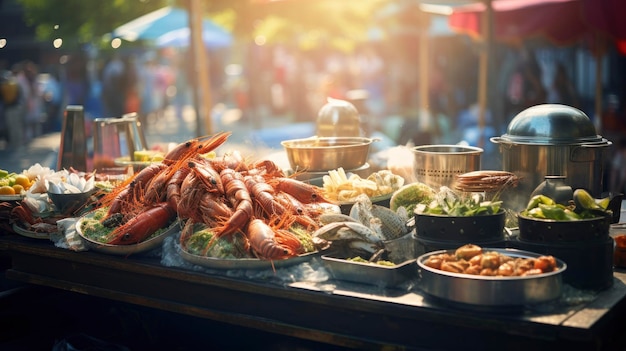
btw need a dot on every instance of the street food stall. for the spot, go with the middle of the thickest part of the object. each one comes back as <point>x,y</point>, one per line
<point>355,257</point>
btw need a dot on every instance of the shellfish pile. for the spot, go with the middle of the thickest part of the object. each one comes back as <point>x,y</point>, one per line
<point>365,231</point>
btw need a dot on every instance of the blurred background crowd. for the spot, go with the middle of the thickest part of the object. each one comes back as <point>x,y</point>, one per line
<point>257,81</point>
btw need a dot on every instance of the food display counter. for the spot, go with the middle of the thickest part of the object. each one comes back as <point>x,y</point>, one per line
<point>339,313</point>
<point>279,278</point>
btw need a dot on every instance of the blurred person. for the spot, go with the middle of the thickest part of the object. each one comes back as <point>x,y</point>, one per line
<point>149,87</point>
<point>297,91</point>
<point>76,84</point>
<point>612,120</point>
<point>131,86</point>
<point>33,113</point>
<point>15,108</point>
<point>562,90</point>
<point>165,80</point>
<point>613,127</point>
<point>525,87</point>
<point>9,100</point>
<point>469,125</point>
<point>114,87</point>
<point>181,84</point>
<point>617,171</point>
<point>52,98</point>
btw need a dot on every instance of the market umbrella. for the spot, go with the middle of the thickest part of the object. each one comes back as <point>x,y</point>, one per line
<point>169,23</point>
<point>557,20</point>
<point>213,37</point>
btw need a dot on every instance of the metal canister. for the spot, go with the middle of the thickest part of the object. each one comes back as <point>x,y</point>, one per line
<point>338,118</point>
<point>438,165</point>
<point>73,148</point>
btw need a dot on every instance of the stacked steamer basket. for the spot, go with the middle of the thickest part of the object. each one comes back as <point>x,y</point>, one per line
<point>585,245</point>
<point>439,166</point>
<point>560,142</point>
<point>443,232</point>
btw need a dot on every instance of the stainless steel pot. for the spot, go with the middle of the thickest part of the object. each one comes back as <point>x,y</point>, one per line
<point>553,140</point>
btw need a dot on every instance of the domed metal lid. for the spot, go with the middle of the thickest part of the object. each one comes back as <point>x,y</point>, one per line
<point>551,124</point>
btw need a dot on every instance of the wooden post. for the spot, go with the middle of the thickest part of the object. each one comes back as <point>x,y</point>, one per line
<point>200,63</point>
<point>424,67</point>
<point>599,52</point>
<point>483,78</point>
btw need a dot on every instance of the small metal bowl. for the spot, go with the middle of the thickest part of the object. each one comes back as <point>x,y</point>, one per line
<point>71,203</point>
<point>327,153</point>
<point>487,291</point>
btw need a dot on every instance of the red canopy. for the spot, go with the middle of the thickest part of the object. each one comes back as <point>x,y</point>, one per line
<point>562,21</point>
<point>606,16</point>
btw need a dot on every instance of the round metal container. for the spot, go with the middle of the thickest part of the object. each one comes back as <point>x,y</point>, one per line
<point>554,140</point>
<point>553,231</point>
<point>327,153</point>
<point>460,230</point>
<point>488,291</point>
<point>589,262</point>
<point>437,165</point>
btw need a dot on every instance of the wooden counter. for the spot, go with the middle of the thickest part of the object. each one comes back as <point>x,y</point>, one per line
<point>333,312</point>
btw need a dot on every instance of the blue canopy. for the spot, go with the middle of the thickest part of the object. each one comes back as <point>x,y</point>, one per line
<point>169,26</point>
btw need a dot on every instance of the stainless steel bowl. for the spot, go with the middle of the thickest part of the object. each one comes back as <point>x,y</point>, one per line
<point>487,291</point>
<point>70,203</point>
<point>327,153</point>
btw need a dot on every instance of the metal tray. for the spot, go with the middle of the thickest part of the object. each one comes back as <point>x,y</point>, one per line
<point>125,250</point>
<point>370,273</point>
<point>17,197</point>
<point>244,263</point>
<point>30,233</point>
<point>490,291</point>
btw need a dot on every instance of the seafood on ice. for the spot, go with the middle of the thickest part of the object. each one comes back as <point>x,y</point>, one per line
<point>232,197</point>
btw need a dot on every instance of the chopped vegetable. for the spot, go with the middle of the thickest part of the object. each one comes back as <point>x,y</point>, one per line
<point>447,202</point>
<point>338,186</point>
<point>410,195</point>
<point>583,206</point>
<point>362,260</point>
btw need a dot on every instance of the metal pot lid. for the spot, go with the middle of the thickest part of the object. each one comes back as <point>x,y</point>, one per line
<point>552,124</point>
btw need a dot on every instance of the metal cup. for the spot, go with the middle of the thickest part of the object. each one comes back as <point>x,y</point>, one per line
<point>73,148</point>
<point>115,141</point>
